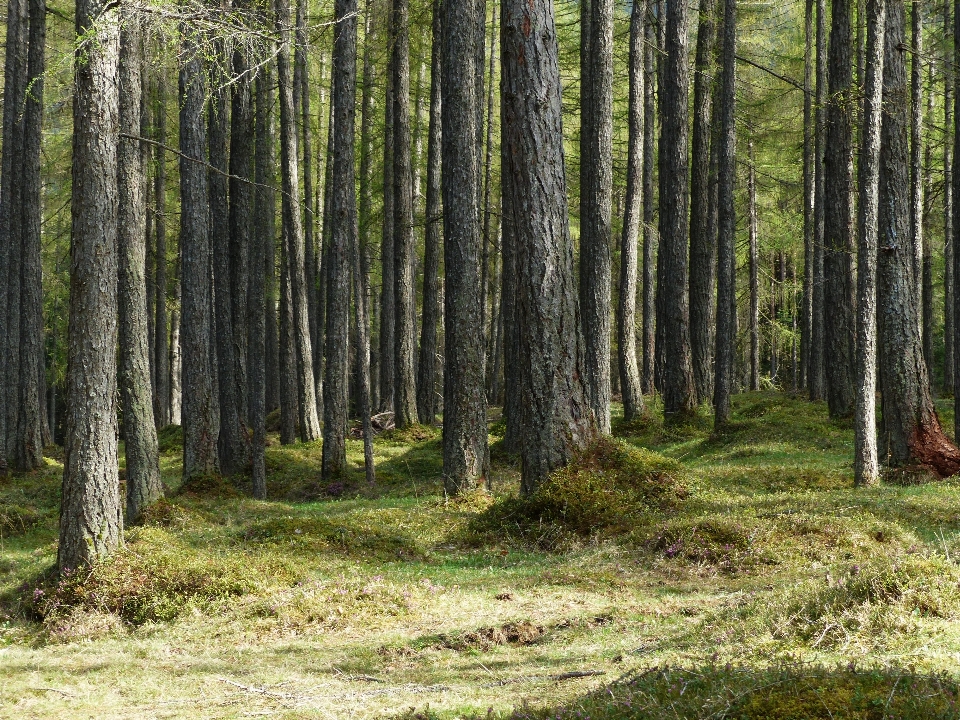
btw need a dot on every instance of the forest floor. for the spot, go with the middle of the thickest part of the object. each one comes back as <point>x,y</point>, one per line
<point>766,586</point>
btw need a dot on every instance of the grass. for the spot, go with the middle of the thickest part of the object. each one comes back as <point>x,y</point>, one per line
<point>674,572</point>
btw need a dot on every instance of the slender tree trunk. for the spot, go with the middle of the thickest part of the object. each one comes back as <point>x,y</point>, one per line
<point>866,465</point>
<point>91,522</point>
<point>838,218</point>
<point>176,363</point>
<point>199,422</point>
<point>809,200</point>
<point>361,291</point>
<point>433,236</point>
<point>487,190</point>
<point>294,235</point>
<point>754,261</point>
<point>630,388</point>
<point>911,427</point>
<point>161,340</point>
<point>557,419</point>
<point>703,252</point>
<point>388,308</point>
<point>816,372</point>
<point>679,393</point>
<point>366,219</point>
<point>343,225</point>
<point>649,231</point>
<point>949,279</point>
<point>509,292</point>
<point>596,194</point>
<point>139,427</point>
<point>726,220</point>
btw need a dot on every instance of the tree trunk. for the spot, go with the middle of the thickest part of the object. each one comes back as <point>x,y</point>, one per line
<point>679,393</point>
<point>139,427</point>
<point>916,151</point>
<point>911,427</point>
<point>557,420</point>
<point>488,193</point>
<point>366,217</point>
<point>343,226</point>
<point>405,400</point>
<point>176,362</point>
<point>91,522</point>
<point>809,194</point>
<point>465,458</point>
<point>649,231</point>
<point>199,422</point>
<point>838,219</point>
<point>949,279</point>
<point>816,371</point>
<point>866,465</point>
<point>703,253</point>
<point>433,236</point>
<point>630,388</point>
<point>388,306</point>
<point>726,220</point>
<point>289,402</point>
<point>509,291</point>
<point>754,261</point>
<point>162,329</point>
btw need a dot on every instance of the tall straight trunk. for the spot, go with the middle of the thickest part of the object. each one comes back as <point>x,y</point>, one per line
<point>433,237</point>
<point>266,224</point>
<point>294,234</point>
<point>949,279</point>
<point>139,427</point>
<point>361,291</point>
<point>232,442</point>
<point>241,218</point>
<point>754,262</point>
<point>509,309</point>
<point>648,313</point>
<point>726,220</point>
<point>420,112</point>
<point>809,194</point>
<point>199,422</point>
<point>630,388</point>
<point>366,218</point>
<point>596,195</point>
<point>557,420</point>
<point>289,401</point>
<point>260,303</point>
<point>679,392</point>
<point>91,522</point>
<point>487,190</point>
<point>866,464</point>
<point>838,218</point>
<point>162,329</point>
<point>956,220</point>
<point>916,149</point>
<point>911,427</point>
<point>343,226</point>
<point>927,267</point>
<point>176,356</point>
<point>388,305</point>
<point>29,432</point>
<point>817,371</point>
<point>703,252</point>
<point>405,399</point>
<point>465,457</point>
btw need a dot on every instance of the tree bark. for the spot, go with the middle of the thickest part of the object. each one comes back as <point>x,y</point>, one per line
<point>388,307</point>
<point>343,226</point>
<point>816,372</point>
<point>557,420</point>
<point>162,329</point>
<point>866,465</point>
<point>465,458</point>
<point>916,151</point>
<point>630,388</point>
<point>809,195</point>
<point>838,219</point>
<point>91,522</point>
<point>911,427</point>
<point>754,261</point>
<point>679,393</point>
<point>649,230</point>
<point>139,427</point>
<point>949,279</point>
<point>703,252</point>
<point>726,220</point>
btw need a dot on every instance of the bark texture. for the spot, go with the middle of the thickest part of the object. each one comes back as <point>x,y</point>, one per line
<point>816,372</point>
<point>161,347</point>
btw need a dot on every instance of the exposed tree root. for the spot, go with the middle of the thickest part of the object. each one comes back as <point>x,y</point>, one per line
<point>931,448</point>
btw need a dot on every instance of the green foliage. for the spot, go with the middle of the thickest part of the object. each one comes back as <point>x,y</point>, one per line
<point>170,439</point>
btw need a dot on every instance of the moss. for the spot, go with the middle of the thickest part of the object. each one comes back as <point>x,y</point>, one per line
<point>170,439</point>
<point>410,435</point>
<point>723,542</point>
<point>209,486</point>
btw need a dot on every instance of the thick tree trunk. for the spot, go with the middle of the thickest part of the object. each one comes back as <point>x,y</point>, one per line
<point>162,329</point>
<point>596,194</point>
<point>630,389</point>
<point>754,263</point>
<point>199,421</point>
<point>703,252</point>
<point>956,221</point>
<point>726,220</point>
<point>557,420</point>
<point>139,427</point>
<point>343,226</point>
<point>433,236</point>
<point>949,279</point>
<point>509,308</point>
<point>91,521</point>
<point>838,219</point>
<point>679,393</point>
<point>649,231</point>
<point>911,427</point>
<point>816,372</point>
<point>916,151</point>
<point>293,233</point>
<point>866,465</point>
<point>465,458</point>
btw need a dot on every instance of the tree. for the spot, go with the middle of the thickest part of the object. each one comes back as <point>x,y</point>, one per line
<point>809,199</point>
<point>91,520</point>
<point>949,279</point>
<point>649,232</point>
<point>388,304</point>
<point>161,363</point>
<point>815,372</point>
<point>139,428</point>
<point>465,458</point>
<point>679,393</point>
<point>556,419</point>
<point>630,387</point>
<point>343,225</point>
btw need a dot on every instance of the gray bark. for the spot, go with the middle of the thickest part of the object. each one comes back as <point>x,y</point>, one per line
<point>649,231</point>
<point>754,262</point>
<point>162,329</point>
<point>806,319</point>
<point>949,279</point>
<point>916,148</point>
<point>366,217</point>
<point>388,307</point>
<point>816,371</point>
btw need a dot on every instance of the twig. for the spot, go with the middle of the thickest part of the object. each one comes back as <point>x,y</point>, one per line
<point>62,692</point>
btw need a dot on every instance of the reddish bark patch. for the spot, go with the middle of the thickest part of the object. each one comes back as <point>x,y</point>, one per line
<point>931,448</point>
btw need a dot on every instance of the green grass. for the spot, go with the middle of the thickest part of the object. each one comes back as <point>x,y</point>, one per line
<point>673,573</point>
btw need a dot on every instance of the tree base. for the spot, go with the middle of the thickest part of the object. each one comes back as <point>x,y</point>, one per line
<point>931,448</point>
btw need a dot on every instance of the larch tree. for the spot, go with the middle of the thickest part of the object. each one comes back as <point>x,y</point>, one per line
<point>91,516</point>
<point>557,419</point>
<point>161,347</point>
<point>816,378</point>
<point>648,311</point>
<point>949,279</point>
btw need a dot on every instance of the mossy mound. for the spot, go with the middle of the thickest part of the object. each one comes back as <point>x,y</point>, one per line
<point>715,541</point>
<point>603,491</point>
<point>170,439</point>
<point>215,487</point>
<point>410,435</point>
